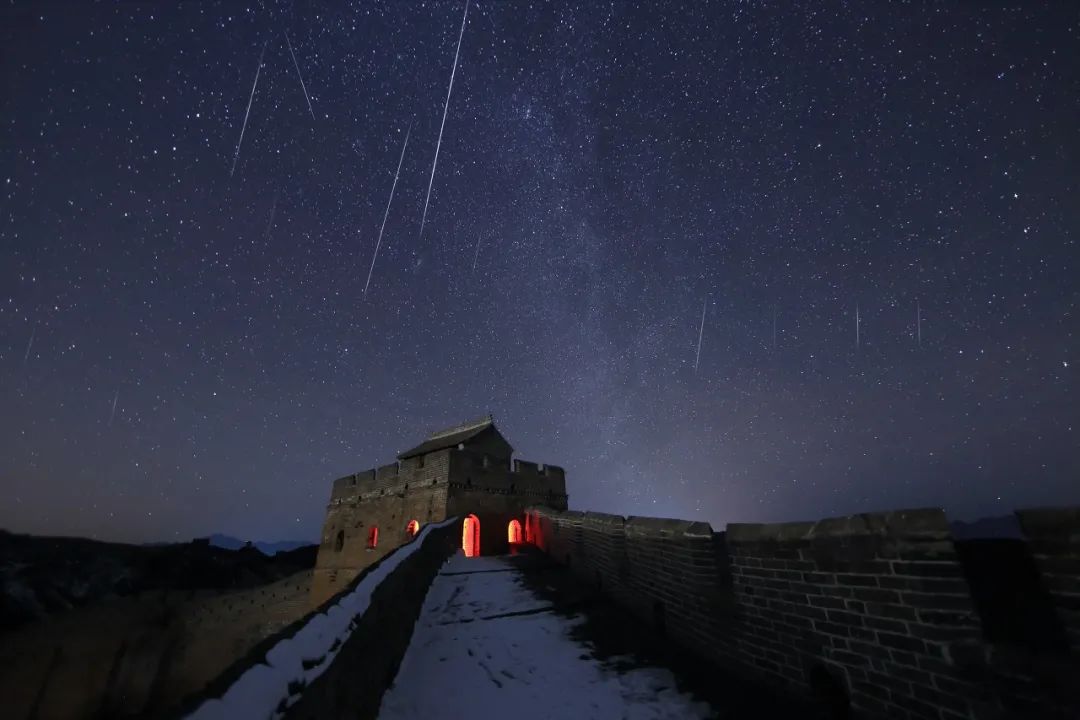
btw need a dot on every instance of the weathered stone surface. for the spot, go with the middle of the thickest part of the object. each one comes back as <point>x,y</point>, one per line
<point>473,477</point>
<point>859,595</point>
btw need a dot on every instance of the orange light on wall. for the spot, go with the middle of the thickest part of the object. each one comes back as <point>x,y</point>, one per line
<point>470,536</point>
<point>373,537</point>
<point>513,532</point>
<point>412,528</point>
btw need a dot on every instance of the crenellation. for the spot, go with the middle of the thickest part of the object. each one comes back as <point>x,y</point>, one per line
<point>880,601</point>
<point>886,606</point>
<point>466,470</point>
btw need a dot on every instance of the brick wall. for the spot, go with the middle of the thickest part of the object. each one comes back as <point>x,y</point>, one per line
<point>876,606</point>
<point>386,498</point>
<point>353,683</point>
<point>1054,537</point>
<point>477,480</point>
<point>876,601</point>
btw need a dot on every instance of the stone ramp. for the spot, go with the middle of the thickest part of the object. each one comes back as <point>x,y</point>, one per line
<point>486,646</point>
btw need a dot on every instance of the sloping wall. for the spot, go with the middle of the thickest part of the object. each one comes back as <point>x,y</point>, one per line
<point>874,608</point>
<point>338,660</point>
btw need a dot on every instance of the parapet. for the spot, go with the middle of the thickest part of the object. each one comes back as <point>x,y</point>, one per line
<point>1051,526</point>
<point>667,527</point>
<point>526,467</point>
<point>352,485</point>
<point>613,522</point>
<point>963,626</point>
<point>386,473</point>
<point>916,524</point>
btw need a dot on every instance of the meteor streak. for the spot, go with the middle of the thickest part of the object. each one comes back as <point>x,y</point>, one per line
<point>701,332</point>
<point>273,213</point>
<point>918,323</point>
<point>302,85</point>
<point>26,355</point>
<point>387,213</point>
<point>446,105</point>
<point>248,113</point>
<point>858,322</point>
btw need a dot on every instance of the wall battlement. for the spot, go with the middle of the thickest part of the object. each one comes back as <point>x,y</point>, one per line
<point>396,477</point>
<point>887,606</point>
<point>466,470</point>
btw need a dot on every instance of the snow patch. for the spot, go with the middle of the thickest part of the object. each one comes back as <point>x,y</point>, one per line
<point>268,688</point>
<point>486,648</point>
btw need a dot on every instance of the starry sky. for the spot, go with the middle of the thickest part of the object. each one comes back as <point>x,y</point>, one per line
<point>722,261</point>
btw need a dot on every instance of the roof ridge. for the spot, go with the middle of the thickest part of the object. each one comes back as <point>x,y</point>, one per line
<point>488,420</point>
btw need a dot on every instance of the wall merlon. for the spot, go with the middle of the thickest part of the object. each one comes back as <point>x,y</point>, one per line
<point>740,533</point>
<point>526,468</point>
<point>918,524</point>
<point>386,472</point>
<point>553,471</point>
<point>668,527</point>
<point>852,594</point>
<point>605,521</point>
<point>1057,526</point>
<point>352,485</point>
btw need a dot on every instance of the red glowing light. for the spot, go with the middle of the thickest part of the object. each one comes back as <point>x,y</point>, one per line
<point>470,536</point>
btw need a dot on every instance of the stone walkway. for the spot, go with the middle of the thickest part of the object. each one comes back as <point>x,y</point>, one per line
<point>486,647</point>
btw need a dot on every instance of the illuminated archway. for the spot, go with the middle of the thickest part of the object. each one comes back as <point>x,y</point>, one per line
<point>513,532</point>
<point>470,536</point>
<point>373,537</point>
<point>412,528</point>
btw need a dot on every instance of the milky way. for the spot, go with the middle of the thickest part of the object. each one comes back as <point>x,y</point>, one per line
<point>789,163</point>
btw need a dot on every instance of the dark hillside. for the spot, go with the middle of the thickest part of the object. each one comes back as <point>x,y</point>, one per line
<point>40,576</point>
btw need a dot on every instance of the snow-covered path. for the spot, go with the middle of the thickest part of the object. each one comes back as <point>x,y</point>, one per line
<point>486,647</point>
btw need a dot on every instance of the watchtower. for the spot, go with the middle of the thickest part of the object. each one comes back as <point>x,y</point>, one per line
<point>467,470</point>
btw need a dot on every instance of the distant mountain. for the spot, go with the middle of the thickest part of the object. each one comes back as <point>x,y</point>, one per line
<point>41,576</point>
<point>1005,526</point>
<point>228,542</point>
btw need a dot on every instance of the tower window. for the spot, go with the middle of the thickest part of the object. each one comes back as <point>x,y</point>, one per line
<point>513,532</point>
<point>373,537</point>
<point>339,541</point>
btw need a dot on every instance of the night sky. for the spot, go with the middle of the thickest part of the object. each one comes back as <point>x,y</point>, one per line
<point>187,349</point>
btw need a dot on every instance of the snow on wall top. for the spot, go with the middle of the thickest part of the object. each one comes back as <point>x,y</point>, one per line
<point>265,690</point>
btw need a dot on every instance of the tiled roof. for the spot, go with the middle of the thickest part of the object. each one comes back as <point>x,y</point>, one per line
<point>449,438</point>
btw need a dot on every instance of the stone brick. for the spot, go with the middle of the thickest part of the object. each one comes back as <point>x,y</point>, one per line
<point>899,612</point>
<point>886,624</point>
<point>831,628</point>
<point>913,675</point>
<point>936,601</point>
<point>827,602</point>
<point>859,580</point>
<point>877,595</point>
<point>927,569</point>
<point>844,618</point>
<point>902,642</point>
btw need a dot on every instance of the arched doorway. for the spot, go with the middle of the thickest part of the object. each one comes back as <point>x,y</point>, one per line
<point>412,528</point>
<point>513,532</point>
<point>470,536</point>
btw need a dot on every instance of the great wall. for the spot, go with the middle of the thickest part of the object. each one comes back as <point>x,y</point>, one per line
<point>875,615</point>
